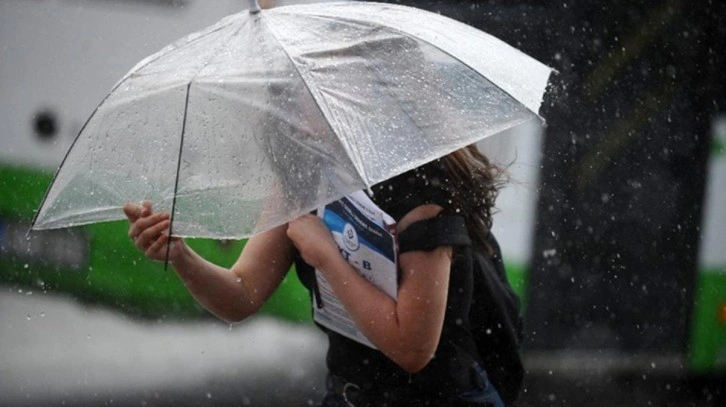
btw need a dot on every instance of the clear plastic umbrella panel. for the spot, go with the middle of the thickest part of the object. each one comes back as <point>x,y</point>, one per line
<point>269,114</point>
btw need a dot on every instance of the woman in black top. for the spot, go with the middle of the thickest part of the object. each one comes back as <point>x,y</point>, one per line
<point>426,354</point>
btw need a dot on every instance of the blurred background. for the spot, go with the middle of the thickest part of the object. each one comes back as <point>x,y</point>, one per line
<point>613,227</point>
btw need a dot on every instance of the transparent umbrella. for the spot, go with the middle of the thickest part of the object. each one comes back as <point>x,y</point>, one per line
<point>268,114</point>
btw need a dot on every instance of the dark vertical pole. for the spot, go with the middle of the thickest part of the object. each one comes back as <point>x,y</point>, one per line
<point>176,180</point>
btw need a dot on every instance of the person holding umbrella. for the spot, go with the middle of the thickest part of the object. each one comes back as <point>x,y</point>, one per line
<point>243,127</point>
<point>426,354</point>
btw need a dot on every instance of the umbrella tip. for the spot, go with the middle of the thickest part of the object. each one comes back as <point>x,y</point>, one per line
<point>254,7</point>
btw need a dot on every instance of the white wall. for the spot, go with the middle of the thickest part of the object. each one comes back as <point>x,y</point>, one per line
<point>519,150</point>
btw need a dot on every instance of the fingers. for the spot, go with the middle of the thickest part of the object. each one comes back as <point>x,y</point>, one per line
<point>149,231</point>
<point>155,249</point>
<point>134,211</point>
<point>142,224</point>
<point>154,239</point>
<point>149,235</point>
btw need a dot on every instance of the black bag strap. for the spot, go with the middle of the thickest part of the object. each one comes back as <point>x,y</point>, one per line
<point>496,322</point>
<point>428,234</point>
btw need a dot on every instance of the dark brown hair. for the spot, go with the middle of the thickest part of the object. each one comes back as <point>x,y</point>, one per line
<point>474,185</point>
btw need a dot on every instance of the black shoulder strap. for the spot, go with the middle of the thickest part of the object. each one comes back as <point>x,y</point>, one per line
<point>428,234</point>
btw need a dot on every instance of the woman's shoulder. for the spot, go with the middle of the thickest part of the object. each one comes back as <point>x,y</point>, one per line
<point>419,214</point>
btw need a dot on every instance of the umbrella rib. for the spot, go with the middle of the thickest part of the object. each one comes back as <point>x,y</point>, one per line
<point>169,49</point>
<point>354,151</point>
<point>68,153</point>
<point>181,147</point>
<point>176,181</point>
<point>116,86</point>
<point>419,39</point>
<point>481,75</point>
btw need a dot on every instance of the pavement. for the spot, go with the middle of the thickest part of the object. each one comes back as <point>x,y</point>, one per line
<point>57,351</point>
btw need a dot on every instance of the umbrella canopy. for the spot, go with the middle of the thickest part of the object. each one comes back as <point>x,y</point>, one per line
<point>269,114</point>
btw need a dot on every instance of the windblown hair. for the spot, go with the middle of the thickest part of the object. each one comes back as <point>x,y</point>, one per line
<point>474,185</point>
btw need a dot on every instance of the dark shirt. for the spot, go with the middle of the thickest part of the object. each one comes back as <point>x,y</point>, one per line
<point>449,373</point>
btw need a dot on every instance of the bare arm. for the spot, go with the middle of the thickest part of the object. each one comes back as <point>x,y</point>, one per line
<point>230,294</point>
<point>407,330</point>
<point>236,293</point>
